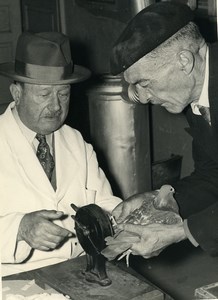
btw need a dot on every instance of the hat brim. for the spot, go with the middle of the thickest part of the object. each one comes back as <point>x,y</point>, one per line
<point>79,74</point>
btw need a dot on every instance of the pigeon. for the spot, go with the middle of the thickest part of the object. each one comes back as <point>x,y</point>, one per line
<point>160,208</point>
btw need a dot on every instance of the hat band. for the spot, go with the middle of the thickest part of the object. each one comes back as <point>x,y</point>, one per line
<point>47,73</point>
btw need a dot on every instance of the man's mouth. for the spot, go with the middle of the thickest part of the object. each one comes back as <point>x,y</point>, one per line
<point>53,116</point>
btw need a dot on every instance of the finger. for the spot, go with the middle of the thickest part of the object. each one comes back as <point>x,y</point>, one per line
<point>50,214</point>
<point>124,213</point>
<point>46,228</point>
<point>144,229</point>
<point>131,204</point>
<point>117,211</point>
<point>127,208</point>
<point>50,238</point>
<point>63,232</point>
<point>43,248</point>
<point>56,230</point>
<point>140,249</point>
<point>43,242</point>
<point>136,229</point>
<point>46,245</point>
<point>131,240</point>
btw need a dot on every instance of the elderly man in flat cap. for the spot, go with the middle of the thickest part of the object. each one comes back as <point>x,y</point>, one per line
<point>45,165</point>
<point>166,61</point>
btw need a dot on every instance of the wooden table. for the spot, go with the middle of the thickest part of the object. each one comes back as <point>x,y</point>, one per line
<point>179,270</point>
<point>67,278</point>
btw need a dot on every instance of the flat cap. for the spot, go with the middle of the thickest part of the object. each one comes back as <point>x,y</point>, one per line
<point>148,29</point>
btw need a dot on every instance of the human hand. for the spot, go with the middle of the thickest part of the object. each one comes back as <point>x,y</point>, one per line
<point>146,224</point>
<point>154,238</point>
<point>39,231</point>
<point>125,208</point>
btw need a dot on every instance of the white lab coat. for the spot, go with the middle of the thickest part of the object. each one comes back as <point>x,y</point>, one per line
<point>24,187</point>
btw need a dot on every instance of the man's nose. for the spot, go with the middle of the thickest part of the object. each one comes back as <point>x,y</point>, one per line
<point>140,95</point>
<point>56,102</point>
<point>133,94</point>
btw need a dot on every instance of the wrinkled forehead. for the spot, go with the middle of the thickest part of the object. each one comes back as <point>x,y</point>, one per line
<point>38,87</point>
<point>143,68</point>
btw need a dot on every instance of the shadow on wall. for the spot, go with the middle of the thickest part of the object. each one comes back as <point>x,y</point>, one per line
<point>169,137</point>
<point>78,116</point>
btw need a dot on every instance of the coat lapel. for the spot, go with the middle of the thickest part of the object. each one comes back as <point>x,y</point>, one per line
<point>205,134</point>
<point>213,88</point>
<point>24,155</point>
<point>202,132</point>
<point>67,166</point>
<point>65,161</point>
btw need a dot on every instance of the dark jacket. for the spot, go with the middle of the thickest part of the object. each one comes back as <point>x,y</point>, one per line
<point>197,195</point>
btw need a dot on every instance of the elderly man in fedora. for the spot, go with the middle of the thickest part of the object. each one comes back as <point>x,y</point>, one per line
<point>166,61</point>
<point>45,165</point>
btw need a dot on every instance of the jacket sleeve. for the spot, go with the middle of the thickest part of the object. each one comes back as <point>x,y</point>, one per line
<point>11,250</point>
<point>197,196</point>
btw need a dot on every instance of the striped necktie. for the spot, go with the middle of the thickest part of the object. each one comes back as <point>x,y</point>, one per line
<point>44,155</point>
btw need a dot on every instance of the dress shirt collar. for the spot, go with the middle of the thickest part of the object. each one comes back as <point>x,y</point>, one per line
<point>204,99</point>
<point>28,133</point>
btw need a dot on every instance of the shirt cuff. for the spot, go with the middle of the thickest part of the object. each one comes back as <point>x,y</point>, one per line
<point>188,234</point>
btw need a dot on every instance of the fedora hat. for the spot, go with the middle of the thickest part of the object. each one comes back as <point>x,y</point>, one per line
<point>44,58</point>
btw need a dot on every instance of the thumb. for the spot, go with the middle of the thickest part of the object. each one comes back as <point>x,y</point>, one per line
<point>55,215</point>
<point>51,214</point>
<point>126,210</point>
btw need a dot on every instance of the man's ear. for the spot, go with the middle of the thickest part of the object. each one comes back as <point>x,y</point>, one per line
<point>16,92</point>
<point>186,61</point>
